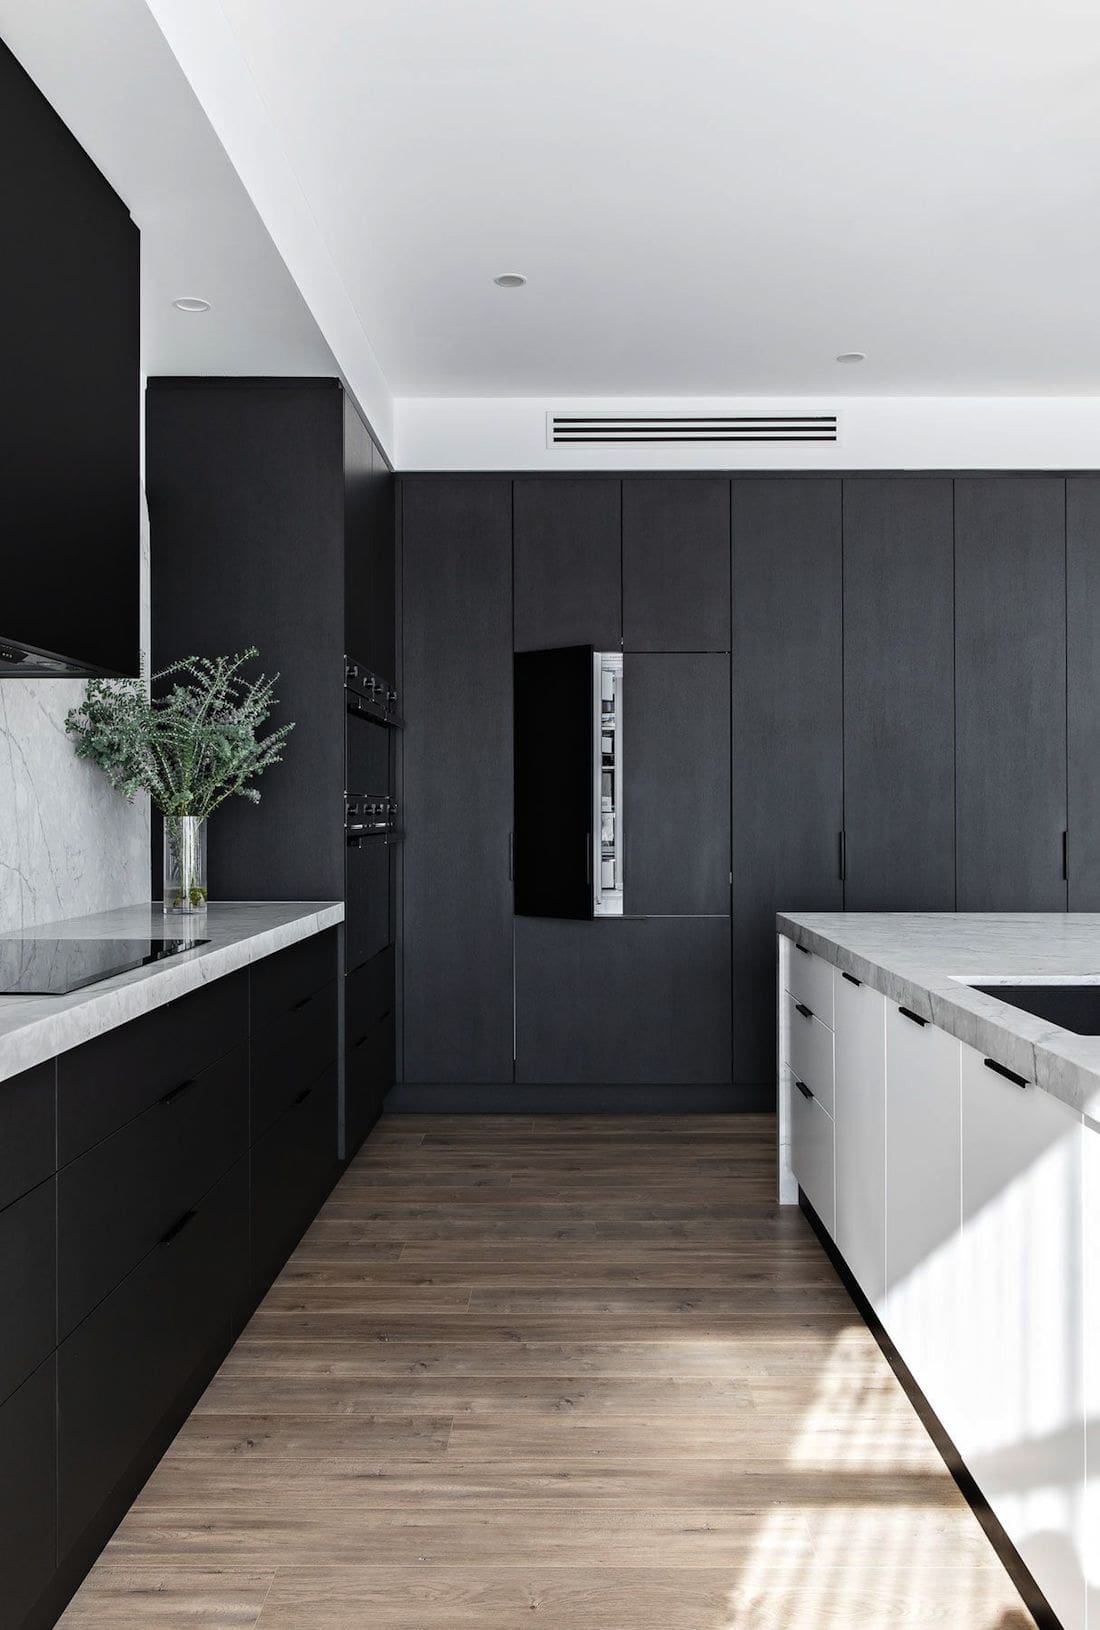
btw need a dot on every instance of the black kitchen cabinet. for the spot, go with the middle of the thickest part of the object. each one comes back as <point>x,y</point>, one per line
<point>676,770</point>
<point>293,1168</point>
<point>69,400</point>
<point>567,545</point>
<point>1010,692</point>
<point>28,1284</point>
<point>456,796</point>
<point>272,509</point>
<point>788,765</point>
<point>552,694</point>
<point>1083,672</point>
<point>899,702</point>
<point>28,1495</point>
<point>371,1024</point>
<point>623,1001</point>
<point>28,1131</point>
<point>676,565</point>
<point>126,1373</point>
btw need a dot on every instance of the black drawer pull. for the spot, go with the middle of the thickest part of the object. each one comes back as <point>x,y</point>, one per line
<point>1003,1069</point>
<point>914,1018</point>
<point>851,978</point>
<point>178,1227</point>
<point>806,1012</point>
<point>803,1088</point>
<point>301,1098</point>
<point>362,1042</point>
<point>804,949</point>
<point>306,1000</point>
<point>177,1092</point>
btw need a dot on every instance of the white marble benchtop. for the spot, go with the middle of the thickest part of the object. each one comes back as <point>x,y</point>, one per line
<point>35,1028</point>
<point>918,958</point>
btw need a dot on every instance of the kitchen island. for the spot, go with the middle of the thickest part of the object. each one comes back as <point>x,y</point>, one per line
<point>946,1141</point>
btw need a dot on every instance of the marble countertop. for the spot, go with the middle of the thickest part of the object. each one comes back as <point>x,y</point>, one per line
<point>36,1028</point>
<point>918,959</point>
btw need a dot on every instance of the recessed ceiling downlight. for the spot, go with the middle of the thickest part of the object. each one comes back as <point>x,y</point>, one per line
<point>510,280</point>
<point>852,356</point>
<point>191,302</point>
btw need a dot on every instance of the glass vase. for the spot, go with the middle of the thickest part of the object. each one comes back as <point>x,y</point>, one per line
<point>185,887</point>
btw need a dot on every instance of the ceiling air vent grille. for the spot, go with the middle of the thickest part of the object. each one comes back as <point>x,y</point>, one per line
<point>594,429</point>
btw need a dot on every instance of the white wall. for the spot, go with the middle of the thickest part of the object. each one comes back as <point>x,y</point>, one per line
<point>69,844</point>
<point>918,432</point>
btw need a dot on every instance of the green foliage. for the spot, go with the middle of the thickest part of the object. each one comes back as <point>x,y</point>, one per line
<point>191,744</point>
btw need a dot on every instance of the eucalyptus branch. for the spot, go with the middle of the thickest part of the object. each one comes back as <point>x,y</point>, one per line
<point>191,743</point>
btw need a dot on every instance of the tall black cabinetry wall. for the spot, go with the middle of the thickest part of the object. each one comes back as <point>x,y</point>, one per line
<point>892,680</point>
<point>272,522</point>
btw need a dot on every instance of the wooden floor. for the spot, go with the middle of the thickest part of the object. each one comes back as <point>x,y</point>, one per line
<point>578,1373</point>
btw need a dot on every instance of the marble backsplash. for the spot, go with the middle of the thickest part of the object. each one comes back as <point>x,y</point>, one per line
<point>69,844</point>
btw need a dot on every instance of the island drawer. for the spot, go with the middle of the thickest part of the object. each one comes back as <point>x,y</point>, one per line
<point>810,981</point>
<point>117,1202</point>
<point>293,1167</point>
<point>281,983</point>
<point>28,1496</point>
<point>812,1153</point>
<point>811,1052</point>
<point>108,1081</point>
<point>28,1152</point>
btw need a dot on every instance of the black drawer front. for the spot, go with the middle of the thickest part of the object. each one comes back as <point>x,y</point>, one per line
<point>105,1083</point>
<point>369,994</point>
<point>290,1054</point>
<point>293,1168</point>
<point>27,1122</point>
<point>28,1533</point>
<point>116,1202</point>
<point>368,755</point>
<point>368,928</point>
<point>128,1365</point>
<point>368,1077</point>
<point>28,1332</point>
<point>282,981</point>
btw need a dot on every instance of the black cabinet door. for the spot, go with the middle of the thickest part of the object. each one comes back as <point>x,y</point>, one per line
<point>899,702</point>
<point>676,785</point>
<point>368,874</point>
<point>457,778</point>
<point>568,563</point>
<point>1083,668</point>
<point>787,739</point>
<point>554,782</point>
<point>70,408</point>
<point>293,1167</point>
<point>28,1495</point>
<point>370,612</point>
<point>623,1000</point>
<point>676,565</point>
<point>28,1118</point>
<point>1010,692</point>
<point>28,1284</point>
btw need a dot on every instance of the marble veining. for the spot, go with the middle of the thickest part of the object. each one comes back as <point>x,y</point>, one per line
<point>919,959</point>
<point>69,843</point>
<point>36,1028</point>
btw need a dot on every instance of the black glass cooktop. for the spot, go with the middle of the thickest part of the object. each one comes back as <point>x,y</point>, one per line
<point>45,967</point>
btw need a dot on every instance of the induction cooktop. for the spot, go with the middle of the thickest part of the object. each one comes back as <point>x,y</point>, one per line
<point>51,967</point>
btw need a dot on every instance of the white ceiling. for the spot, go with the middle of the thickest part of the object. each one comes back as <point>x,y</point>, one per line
<point>708,196</point>
<point>108,71</point>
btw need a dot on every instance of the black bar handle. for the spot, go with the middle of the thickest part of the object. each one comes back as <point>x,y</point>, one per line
<point>1003,1069</point>
<point>177,1092</point>
<point>305,1001</point>
<point>803,1088</point>
<point>915,1018</point>
<point>842,855</point>
<point>1065,857</point>
<point>301,1098</point>
<point>805,949</point>
<point>851,978</point>
<point>177,1227</point>
<point>806,1012</point>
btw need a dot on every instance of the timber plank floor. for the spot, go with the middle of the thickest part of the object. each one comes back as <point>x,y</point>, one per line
<point>580,1373</point>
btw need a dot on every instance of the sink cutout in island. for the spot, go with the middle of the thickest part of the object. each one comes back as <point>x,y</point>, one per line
<point>1070,1007</point>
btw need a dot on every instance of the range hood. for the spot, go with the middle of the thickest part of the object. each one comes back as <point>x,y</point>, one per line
<point>70,402</point>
